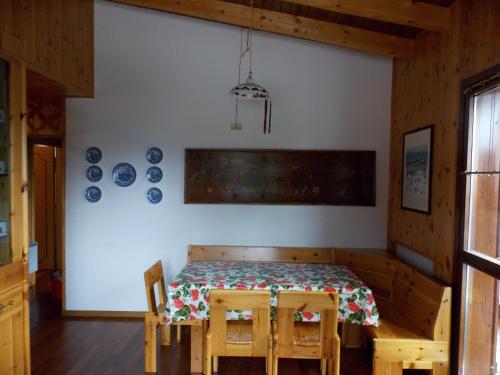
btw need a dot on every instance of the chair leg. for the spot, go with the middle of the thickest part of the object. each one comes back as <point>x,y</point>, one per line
<point>215,366</point>
<point>440,368</point>
<point>208,356</point>
<point>269,358</point>
<point>334,363</point>
<point>381,367</point>
<point>275,365</point>
<point>164,335</point>
<point>178,333</point>
<point>149,346</point>
<point>324,365</point>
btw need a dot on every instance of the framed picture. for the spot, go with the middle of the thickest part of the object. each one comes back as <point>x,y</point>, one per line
<point>417,170</point>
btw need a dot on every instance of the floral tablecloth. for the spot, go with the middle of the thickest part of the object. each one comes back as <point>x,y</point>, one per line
<point>188,295</point>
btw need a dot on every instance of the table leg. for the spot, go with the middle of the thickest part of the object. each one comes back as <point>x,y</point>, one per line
<point>164,335</point>
<point>197,340</point>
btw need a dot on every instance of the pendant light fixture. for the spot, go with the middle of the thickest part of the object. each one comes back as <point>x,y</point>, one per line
<point>249,89</point>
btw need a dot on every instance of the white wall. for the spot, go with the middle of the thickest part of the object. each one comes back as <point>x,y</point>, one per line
<point>416,260</point>
<point>163,80</point>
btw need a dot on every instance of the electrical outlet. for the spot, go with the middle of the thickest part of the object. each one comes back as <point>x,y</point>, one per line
<point>236,126</point>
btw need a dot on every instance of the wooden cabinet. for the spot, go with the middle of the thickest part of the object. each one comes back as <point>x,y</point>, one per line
<point>14,307</point>
<point>11,320</point>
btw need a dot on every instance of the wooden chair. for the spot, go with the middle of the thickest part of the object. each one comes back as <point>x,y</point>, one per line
<point>154,317</point>
<point>308,340</point>
<point>239,338</point>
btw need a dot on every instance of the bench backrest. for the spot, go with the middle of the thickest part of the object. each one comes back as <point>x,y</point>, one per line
<point>260,254</point>
<point>424,301</point>
<point>375,267</point>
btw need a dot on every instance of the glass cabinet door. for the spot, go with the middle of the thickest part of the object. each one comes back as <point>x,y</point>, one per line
<point>5,248</point>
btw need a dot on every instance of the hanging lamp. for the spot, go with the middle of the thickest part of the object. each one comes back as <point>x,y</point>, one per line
<point>249,89</point>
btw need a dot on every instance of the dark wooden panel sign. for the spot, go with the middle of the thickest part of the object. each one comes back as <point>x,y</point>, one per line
<point>280,177</point>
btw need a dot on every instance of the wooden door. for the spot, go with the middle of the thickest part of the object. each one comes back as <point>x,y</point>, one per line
<point>14,303</point>
<point>44,200</point>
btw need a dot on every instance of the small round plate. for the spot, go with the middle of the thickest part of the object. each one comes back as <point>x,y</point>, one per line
<point>93,194</point>
<point>154,174</point>
<point>124,174</point>
<point>93,155</point>
<point>94,173</point>
<point>154,195</point>
<point>154,155</point>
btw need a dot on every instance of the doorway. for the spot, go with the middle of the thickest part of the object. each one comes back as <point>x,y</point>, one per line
<point>46,170</point>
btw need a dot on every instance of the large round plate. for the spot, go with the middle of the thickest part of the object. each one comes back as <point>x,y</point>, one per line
<point>154,155</point>
<point>93,155</point>
<point>94,173</point>
<point>154,174</point>
<point>93,194</point>
<point>154,195</point>
<point>124,174</point>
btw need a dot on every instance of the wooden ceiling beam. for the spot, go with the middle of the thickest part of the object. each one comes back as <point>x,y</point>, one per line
<point>285,24</point>
<point>403,12</point>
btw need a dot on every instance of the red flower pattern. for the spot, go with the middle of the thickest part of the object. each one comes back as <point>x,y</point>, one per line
<point>353,307</point>
<point>307,315</point>
<point>195,293</point>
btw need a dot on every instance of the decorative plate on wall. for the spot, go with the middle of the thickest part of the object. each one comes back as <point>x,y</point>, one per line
<point>154,195</point>
<point>93,155</point>
<point>93,194</point>
<point>94,173</point>
<point>154,174</point>
<point>154,155</point>
<point>124,174</point>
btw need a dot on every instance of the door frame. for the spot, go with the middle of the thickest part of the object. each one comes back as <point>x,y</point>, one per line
<point>463,258</point>
<point>60,218</point>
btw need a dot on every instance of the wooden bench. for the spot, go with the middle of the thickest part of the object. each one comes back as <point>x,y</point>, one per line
<point>415,313</point>
<point>377,269</point>
<point>415,329</point>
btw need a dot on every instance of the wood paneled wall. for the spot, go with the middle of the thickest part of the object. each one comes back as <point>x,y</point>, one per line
<point>426,90</point>
<point>53,38</point>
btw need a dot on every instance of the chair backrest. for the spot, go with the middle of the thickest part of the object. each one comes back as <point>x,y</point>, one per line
<point>154,275</point>
<point>424,301</point>
<point>254,300</point>
<point>325,303</point>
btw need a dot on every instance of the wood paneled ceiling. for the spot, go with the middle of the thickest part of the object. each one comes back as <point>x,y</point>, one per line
<point>386,27</point>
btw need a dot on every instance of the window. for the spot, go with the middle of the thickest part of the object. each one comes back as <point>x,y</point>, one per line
<point>478,266</point>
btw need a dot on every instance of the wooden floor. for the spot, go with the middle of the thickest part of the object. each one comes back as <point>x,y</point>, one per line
<point>72,346</point>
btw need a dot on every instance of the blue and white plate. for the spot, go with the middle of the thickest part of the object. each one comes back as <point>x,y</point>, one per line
<point>94,173</point>
<point>154,174</point>
<point>93,194</point>
<point>154,195</point>
<point>124,174</point>
<point>154,155</point>
<point>93,155</point>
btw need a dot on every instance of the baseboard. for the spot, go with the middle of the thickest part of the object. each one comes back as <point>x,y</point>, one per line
<point>102,314</point>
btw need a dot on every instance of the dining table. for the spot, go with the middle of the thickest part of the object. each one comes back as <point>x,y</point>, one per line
<point>188,295</point>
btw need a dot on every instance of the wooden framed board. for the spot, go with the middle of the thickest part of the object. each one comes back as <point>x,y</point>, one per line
<point>344,178</point>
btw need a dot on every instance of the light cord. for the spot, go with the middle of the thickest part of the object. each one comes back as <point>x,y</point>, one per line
<point>239,75</point>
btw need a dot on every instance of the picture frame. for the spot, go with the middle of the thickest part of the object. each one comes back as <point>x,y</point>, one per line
<point>416,181</point>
